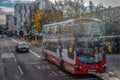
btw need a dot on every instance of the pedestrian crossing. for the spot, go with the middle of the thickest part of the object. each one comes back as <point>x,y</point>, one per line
<point>43,67</point>
<point>50,68</point>
<point>46,67</point>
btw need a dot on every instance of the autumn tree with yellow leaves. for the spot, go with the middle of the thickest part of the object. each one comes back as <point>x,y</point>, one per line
<point>46,17</point>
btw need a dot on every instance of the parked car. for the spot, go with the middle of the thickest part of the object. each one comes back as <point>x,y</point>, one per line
<point>22,47</point>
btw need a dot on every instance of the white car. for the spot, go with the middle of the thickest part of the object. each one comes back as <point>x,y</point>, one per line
<point>22,47</point>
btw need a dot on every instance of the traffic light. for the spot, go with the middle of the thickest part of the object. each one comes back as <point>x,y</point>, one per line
<point>15,21</point>
<point>32,29</point>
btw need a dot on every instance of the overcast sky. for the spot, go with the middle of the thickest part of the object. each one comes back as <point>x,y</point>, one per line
<point>106,3</point>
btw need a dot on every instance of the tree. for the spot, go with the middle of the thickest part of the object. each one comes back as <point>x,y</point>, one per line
<point>71,8</point>
<point>38,20</point>
<point>110,24</point>
<point>46,17</point>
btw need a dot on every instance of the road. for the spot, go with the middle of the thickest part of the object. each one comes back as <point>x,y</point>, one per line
<point>32,66</point>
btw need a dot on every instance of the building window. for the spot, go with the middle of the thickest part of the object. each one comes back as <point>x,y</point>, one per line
<point>24,15</point>
<point>20,7</point>
<point>20,15</point>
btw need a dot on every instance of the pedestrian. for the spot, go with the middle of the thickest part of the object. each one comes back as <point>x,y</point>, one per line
<point>60,49</point>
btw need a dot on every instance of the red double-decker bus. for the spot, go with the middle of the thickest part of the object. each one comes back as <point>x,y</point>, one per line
<point>76,45</point>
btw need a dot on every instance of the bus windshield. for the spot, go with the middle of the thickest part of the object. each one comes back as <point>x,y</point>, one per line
<point>89,45</point>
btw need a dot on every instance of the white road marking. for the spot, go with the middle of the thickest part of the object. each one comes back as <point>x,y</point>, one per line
<point>114,78</point>
<point>63,74</point>
<point>111,73</point>
<point>11,53</point>
<point>53,74</point>
<point>38,67</point>
<point>20,70</point>
<point>44,67</point>
<point>14,59</point>
<point>35,54</point>
<point>14,40</point>
<point>48,67</point>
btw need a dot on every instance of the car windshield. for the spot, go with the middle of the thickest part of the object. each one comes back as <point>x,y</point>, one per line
<point>23,44</point>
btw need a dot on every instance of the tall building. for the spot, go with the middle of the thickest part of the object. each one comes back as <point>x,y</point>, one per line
<point>21,14</point>
<point>10,21</point>
<point>24,13</point>
<point>2,18</point>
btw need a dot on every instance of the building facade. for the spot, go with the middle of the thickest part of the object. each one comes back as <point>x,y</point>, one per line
<point>24,13</point>
<point>10,21</point>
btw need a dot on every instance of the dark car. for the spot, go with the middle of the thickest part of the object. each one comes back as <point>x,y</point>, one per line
<point>22,47</point>
<point>9,33</point>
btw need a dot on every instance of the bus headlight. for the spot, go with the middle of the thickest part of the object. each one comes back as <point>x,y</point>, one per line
<point>78,67</point>
<point>104,65</point>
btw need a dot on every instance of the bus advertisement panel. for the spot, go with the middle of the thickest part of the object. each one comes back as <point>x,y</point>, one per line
<point>76,45</point>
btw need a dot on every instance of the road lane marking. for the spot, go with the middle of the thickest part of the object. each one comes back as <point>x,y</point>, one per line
<point>114,78</point>
<point>63,74</point>
<point>14,40</point>
<point>20,70</point>
<point>38,67</point>
<point>11,53</point>
<point>48,66</point>
<point>14,59</point>
<point>43,67</point>
<point>53,74</point>
<point>111,73</point>
<point>35,54</point>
